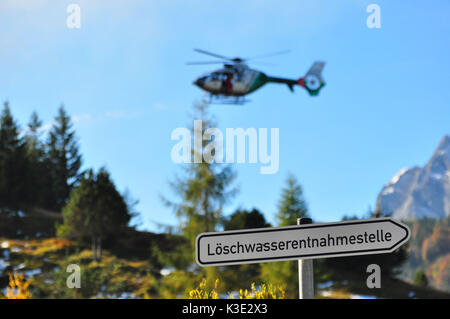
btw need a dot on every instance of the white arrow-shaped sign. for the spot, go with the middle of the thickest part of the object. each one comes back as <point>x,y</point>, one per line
<point>349,238</point>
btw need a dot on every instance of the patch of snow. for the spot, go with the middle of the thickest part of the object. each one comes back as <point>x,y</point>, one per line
<point>325,285</point>
<point>388,190</point>
<point>21,266</point>
<point>32,272</point>
<point>325,293</point>
<point>444,147</point>
<point>3,264</point>
<point>127,295</point>
<point>362,297</point>
<point>436,176</point>
<point>192,267</point>
<point>123,295</point>
<point>16,249</point>
<point>235,295</point>
<point>166,271</point>
<point>397,176</point>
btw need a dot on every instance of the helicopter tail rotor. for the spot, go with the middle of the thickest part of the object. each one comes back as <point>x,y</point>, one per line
<point>313,81</point>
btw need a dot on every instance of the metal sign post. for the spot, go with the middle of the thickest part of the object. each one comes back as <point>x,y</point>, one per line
<point>305,271</point>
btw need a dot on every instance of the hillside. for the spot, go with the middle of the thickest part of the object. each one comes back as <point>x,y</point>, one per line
<point>429,250</point>
<point>130,269</point>
<point>45,262</point>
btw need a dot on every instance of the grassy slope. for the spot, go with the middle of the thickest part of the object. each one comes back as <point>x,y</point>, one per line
<point>119,276</point>
<point>127,268</point>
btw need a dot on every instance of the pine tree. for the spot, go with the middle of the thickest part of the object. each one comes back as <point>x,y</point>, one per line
<point>63,160</point>
<point>237,276</point>
<point>291,206</point>
<point>203,191</point>
<point>9,131</point>
<point>243,219</point>
<point>37,172</point>
<point>12,164</point>
<point>95,211</point>
<point>33,137</point>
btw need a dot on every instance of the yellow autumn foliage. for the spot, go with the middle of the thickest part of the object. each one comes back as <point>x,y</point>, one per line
<point>18,287</point>
<point>202,292</point>
<point>262,292</point>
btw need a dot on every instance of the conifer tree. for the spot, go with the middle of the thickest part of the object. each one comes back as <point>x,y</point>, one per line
<point>12,163</point>
<point>37,189</point>
<point>237,276</point>
<point>33,137</point>
<point>63,159</point>
<point>203,191</point>
<point>243,219</point>
<point>95,211</point>
<point>291,206</point>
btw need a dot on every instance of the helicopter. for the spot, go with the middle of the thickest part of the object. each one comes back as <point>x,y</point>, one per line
<point>230,84</point>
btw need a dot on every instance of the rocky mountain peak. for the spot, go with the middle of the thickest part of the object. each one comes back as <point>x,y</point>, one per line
<point>420,191</point>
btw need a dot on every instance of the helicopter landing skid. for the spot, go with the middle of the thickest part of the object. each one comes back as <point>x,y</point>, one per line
<point>223,99</point>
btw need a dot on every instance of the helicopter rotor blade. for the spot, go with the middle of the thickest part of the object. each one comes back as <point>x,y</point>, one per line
<point>234,60</point>
<point>212,54</point>
<point>263,63</point>
<point>268,55</point>
<point>204,62</point>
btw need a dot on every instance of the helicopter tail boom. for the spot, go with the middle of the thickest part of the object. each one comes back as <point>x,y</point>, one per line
<point>288,82</point>
<point>311,82</point>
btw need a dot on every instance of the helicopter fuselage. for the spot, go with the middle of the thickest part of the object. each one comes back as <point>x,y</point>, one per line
<point>236,80</point>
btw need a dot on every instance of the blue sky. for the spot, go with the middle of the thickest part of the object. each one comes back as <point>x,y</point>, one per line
<point>123,79</point>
